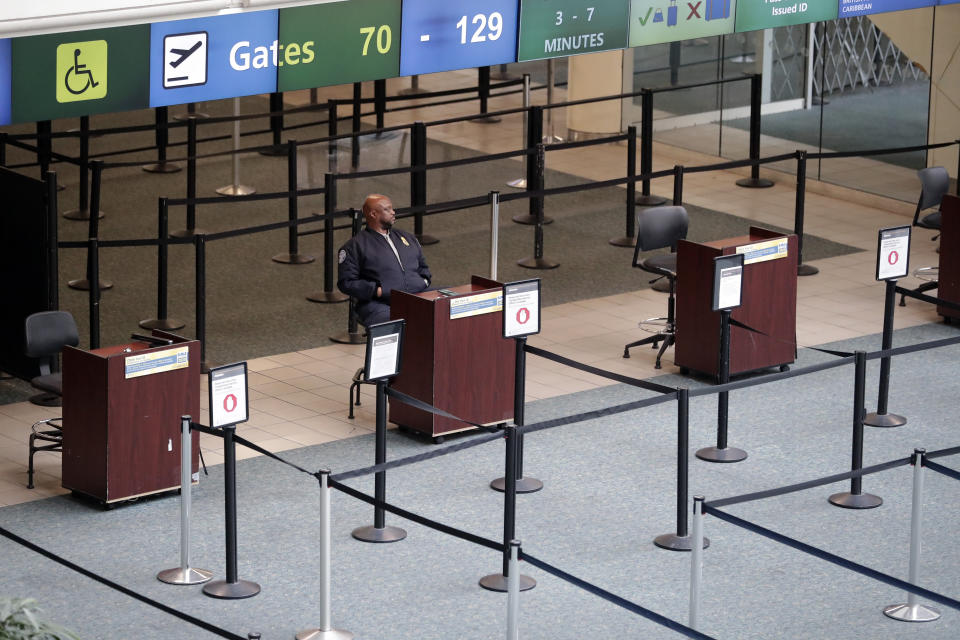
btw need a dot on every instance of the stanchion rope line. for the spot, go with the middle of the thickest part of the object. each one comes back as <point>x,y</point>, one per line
<point>910,293</point>
<point>832,558</point>
<point>878,152</point>
<point>653,616</point>
<point>218,433</point>
<point>603,373</point>
<point>206,626</point>
<point>440,103</point>
<point>561,146</point>
<point>913,348</point>
<point>598,413</point>
<point>793,343</point>
<point>947,471</point>
<point>734,164</point>
<point>940,453</point>
<point>769,378</point>
<point>424,406</point>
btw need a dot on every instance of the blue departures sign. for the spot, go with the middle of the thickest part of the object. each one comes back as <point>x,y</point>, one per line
<point>850,8</point>
<point>457,34</point>
<point>218,57</point>
<point>5,67</point>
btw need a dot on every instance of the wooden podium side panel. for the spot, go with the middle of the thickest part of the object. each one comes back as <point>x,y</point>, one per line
<point>949,279</point>
<point>698,328</point>
<point>417,361</point>
<point>84,462</point>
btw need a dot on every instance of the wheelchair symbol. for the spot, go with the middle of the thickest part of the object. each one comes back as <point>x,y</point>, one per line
<point>79,70</point>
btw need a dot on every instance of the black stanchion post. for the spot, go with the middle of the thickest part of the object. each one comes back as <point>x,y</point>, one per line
<point>536,204</point>
<point>82,212</point>
<point>276,127</point>
<point>522,484</point>
<point>200,291</point>
<point>53,262</point>
<point>3,149</point>
<point>329,294</point>
<point>681,540</point>
<point>646,150</point>
<point>855,498</point>
<point>93,231</point>
<point>418,180</point>
<point>44,146</point>
<point>162,140</point>
<point>723,453</point>
<point>355,125</point>
<point>483,93</point>
<point>881,418</point>
<point>678,185</point>
<point>498,581</point>
<point>331,133</point>
<point>191,229</point>
<point>379,101</point>
<point>293,256</point>
<point>534,138</point>
<point>802,269</point>
<point>353,335</point>
<point>191,113</point>
<point>629,238</point>
<point>379,532</point>
<point>163,262</point>
<point>233,587</point>
<point>755,181</point>
<point>93,260</point>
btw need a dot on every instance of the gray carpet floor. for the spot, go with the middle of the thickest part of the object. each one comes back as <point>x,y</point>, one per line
<point>609,490</point>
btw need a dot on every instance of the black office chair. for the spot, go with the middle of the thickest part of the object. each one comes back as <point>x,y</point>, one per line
<point>46,334</point>
<point>934,184</point>
<point>659,228</point>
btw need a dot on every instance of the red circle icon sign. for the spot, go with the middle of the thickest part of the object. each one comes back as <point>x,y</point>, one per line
<point>893,257</point>
<point>229,402</point>
<point>523,314</point>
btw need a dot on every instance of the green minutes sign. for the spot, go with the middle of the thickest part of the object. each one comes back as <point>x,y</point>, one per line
<point>768,14</point>
<point>567,27</point>
<point>340,43</point>
<point>81,72</point>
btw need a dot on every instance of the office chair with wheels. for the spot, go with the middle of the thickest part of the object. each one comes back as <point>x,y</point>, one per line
<point>659,228</point>
<point>934,184</point>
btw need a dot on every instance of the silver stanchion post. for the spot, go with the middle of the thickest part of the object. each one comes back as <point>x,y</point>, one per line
<point>185,574</point>
<point>494,232</point>
<point>550,138</point>
<point>696,562</point>
<point>513,592</point>
<point>521,183</point>
<point>912,611</point>
<point>236,189</point>
<point>325,631</point>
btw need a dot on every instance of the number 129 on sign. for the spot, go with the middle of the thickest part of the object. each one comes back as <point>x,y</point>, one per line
<point>457,34</point>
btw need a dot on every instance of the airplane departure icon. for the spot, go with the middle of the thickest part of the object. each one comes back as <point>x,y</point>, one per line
<point>185,59</point>
<point>184,53</point>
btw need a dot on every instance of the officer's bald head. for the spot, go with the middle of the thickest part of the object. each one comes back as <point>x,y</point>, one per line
<point>378,212</point>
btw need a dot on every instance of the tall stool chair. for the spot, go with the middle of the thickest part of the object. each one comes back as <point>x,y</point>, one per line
<point>934,184</point>
<point>659,228</point>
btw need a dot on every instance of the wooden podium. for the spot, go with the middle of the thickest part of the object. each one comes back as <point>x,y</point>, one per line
<point>769,303</point>
<point>948,288</point>
<point>121,416</point>
<point>458,362</point>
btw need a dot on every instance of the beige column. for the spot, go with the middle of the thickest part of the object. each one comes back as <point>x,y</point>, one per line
<point>590,76</point>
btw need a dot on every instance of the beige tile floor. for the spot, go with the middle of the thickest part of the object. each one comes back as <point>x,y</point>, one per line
<point>299,399</point>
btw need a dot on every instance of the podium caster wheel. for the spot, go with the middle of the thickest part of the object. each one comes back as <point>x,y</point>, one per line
<point>684,371</point>
<point>438,439</point>
<point>784,367</point>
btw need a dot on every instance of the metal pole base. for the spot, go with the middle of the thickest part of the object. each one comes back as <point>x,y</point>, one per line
<point>237,189</point>
<point>911,613</point>
<point>884,420</point>
<point>275,150</point>
<point>673,542</point>
<point>662,285</point>
<point>498,582</point>
<point>411,91</point>
<point>728,454</point>
<point>807,270</point>
<point>519,183</point>
<point>649,200</point>
<point>849,500</point>
<point>82,284</point>
<point>425,239</point>
<point>46,400</point>
<point>161,167</point>
<point>196,115</point>
<point>623,241</point>
<point>372,534</point>
<point>526,218</point>
<point>754,183</point>
<point>320,634</point>
<point>524,485</point>
<point>327,297</point>
<point>231,590</point>
<point>166,324</point>
<point>188,233</point>
<point>293,258</point>
<point>184,576</point>
<point>81,214</point>
<point>487,120</point>
<point>538,263</point>
<point>348,338</point>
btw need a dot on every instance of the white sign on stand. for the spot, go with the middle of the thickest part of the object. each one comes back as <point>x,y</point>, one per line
<point>521,308</point>
<point>727,281</point>
<point>228,395</point>
<point>893,253</point>
<point>384,349</point>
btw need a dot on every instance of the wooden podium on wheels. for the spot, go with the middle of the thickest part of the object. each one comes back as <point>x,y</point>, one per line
<point>769,304</point>
<point>454,358</point>
<point>121,416</point>
<point>948,281</point>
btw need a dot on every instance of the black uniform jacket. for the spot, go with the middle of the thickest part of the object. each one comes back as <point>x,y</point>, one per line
<point>368,262</point>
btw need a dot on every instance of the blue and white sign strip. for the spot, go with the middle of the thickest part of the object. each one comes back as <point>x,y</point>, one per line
<point>212,58</point>
<point>150,362</point>
<point>5,71</point>
<point>475,305</point>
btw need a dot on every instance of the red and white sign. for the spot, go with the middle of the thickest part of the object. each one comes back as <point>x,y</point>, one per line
<point>521,308</point>
<point>228,395</point>
<point>893,252</point>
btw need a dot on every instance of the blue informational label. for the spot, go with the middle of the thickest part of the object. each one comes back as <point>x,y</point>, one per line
<point>217,57</point>
<point>457,34</point>
<point>5,69</point>
<point>850,8</point>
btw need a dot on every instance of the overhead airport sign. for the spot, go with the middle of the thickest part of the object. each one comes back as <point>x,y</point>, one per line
<point>769,14</point>
<point>568,27</point>
<point>656,21</point>
<point>5,68</point>
<point>851,8</point>
<point>211,58</point>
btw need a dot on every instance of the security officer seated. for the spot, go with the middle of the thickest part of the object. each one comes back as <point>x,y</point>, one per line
<point>379,260</point>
